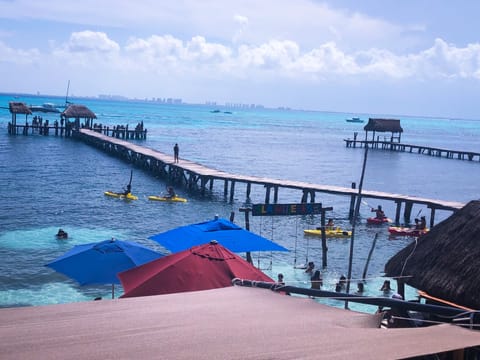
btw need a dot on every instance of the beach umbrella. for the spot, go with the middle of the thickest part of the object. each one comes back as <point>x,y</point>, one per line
<point>99,263</point>
<point>230,235</point>
<point>203,267</point>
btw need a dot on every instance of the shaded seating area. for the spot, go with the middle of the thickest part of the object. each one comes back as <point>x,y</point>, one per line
<point>376,126</point>
<point>18,108</point>
<point>77,113</point>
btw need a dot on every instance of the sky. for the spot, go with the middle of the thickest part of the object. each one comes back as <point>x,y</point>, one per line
<point>409,57</point>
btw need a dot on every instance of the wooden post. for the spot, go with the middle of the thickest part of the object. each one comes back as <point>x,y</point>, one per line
<point>232,190</point>
<point>432,217</point>
<point>249,189</point>
<point>352,203</point>
<point>275,194</point>
<point>397,212</point>
<point>267,194</point>
<point>357,210</point>
<point>225,188</point>
<point>247,227</point>
<point>324,240</point>
<point>407,214</point>
<point>364,275</point>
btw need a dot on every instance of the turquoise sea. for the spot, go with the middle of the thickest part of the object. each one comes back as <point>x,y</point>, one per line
<point>50,182</point>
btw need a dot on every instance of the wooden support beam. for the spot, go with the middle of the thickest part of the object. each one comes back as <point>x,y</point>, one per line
<point>407,214</point>
<point>352,202</point>
<point>267,194</point>
<point>397,212</point>
<point>232,190</point>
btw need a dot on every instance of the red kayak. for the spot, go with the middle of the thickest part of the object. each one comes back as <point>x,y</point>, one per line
<point>406,231</point>
<point>378,221</point>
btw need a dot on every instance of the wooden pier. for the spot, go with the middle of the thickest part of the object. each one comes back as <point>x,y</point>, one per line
<point>70,119</point>
<point>417,149</point>
<point>194,176</point>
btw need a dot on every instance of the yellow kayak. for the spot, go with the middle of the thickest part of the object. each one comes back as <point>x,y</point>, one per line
<point>166,198</point>
<point>129,196</point>
<point>337,232</point>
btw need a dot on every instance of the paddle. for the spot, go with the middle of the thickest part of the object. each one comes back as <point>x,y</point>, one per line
<point>131,175</point>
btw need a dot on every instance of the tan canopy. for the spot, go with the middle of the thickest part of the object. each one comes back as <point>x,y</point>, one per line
<point>227,323</point>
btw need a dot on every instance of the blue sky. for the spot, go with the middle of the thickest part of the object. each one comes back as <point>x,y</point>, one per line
<point>410,57</point>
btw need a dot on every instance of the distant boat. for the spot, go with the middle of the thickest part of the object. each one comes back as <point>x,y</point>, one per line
<point>215,111</point>
<point>355,120</point>
<point>45,107</point>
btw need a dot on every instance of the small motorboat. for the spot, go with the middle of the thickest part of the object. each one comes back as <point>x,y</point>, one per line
<point>378,221</point>
<point>329,233</point>
<point>167,198</point>
<point>354,120</point>
<point>406,231</point>
<point>128,196</point>
<point>45,107</point>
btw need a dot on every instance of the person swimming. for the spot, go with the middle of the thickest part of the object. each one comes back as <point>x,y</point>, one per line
<point>61,234</point>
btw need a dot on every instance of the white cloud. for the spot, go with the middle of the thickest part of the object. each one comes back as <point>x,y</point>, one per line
<point>272,59</point>
<point>91,41</point>
<point>18,56</point>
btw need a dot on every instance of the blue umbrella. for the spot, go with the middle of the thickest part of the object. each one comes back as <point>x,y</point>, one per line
<point>99,263</point>
<point>230,235</point>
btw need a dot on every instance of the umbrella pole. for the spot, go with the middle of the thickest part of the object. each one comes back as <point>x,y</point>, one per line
<point>113,291</point>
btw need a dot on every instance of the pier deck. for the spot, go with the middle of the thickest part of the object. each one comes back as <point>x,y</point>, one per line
<point>196,176</point>
<point>418,149</point>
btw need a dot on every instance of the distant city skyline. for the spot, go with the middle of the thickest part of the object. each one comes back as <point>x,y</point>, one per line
<point>414,57</point>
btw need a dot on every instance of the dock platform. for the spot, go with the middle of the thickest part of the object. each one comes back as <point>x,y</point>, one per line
<point>417,149</point>
<point>194,176</point>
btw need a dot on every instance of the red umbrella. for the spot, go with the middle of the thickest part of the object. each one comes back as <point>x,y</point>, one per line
<point>201,267</point>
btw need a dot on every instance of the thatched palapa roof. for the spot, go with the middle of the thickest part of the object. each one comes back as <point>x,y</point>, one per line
<point>383,125</point>
<point>78,111</point>
<point>445,262</point>
<point>19,108</point>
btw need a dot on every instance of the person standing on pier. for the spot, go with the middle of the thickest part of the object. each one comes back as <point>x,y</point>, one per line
<point>175,153</point>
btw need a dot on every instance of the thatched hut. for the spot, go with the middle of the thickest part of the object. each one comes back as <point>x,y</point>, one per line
<point>444,263</point>
<point>77,112</point>
<point>18,108</point>
<point>384,125</point>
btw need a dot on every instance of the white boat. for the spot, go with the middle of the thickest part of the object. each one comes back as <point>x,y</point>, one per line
<point>45,107</point>
<point>355,120</point>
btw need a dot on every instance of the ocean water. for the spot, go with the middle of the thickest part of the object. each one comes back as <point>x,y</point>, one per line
<point>51,182</point>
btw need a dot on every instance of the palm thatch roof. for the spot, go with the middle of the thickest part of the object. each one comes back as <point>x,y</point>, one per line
<point>445,262</point>
<point>383,125</point>
<point>78,111</point>
<point>19,108</point>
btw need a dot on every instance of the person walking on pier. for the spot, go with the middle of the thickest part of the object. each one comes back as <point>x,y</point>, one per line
<point>175,153</point>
